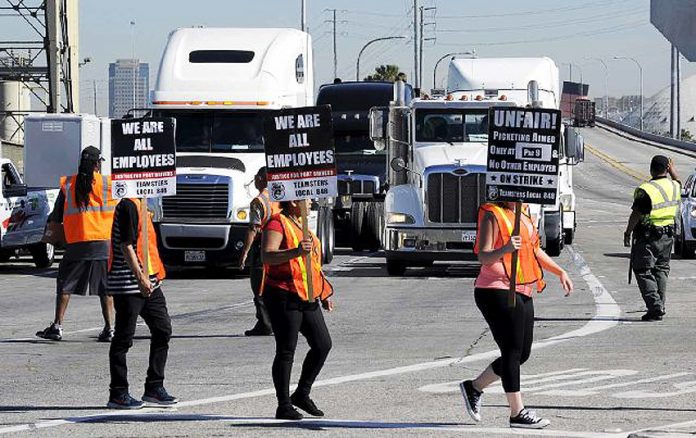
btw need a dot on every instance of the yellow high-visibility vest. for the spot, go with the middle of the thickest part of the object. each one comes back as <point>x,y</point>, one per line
<point>665,195</point>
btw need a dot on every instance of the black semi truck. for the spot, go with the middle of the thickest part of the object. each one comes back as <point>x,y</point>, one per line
<point>359,207</point>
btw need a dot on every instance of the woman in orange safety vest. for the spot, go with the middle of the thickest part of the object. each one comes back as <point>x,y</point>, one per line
<point>512,327</point>
<point>293,306</point>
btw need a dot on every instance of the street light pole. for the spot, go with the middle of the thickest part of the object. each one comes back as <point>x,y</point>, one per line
<point>303,15</point>
<point>640,72</point>
<point>357,64</point>
<point>606,84</point>
<point>471,53</point>
<point>136,65</point>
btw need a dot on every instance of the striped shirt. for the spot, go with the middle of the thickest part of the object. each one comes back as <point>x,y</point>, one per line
<point>125,229</point>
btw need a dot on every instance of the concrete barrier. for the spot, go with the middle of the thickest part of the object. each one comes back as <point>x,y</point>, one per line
<point>647,136</point>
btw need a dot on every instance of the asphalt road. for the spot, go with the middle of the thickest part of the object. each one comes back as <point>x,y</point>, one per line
<point>401,345</point>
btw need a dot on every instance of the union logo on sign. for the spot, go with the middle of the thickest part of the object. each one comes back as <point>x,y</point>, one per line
<point>278,191</point>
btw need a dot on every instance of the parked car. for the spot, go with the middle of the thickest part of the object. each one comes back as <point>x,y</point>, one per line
<point>685,235</point>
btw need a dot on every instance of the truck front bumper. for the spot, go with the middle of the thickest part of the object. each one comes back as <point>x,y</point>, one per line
<point>201,245</point>
<point>417,245</point>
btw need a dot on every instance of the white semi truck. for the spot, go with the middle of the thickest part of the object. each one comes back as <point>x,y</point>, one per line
<point>436,152</point>
<point>219,84</point>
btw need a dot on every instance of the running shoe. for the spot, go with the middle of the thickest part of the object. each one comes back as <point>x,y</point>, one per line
<point>527,419</point>
<point>106,335</point>
<point>307,405</point>
<point>53,332</point>
<point>472,399</point>
<point>124,401</point>
<point>159,396</point>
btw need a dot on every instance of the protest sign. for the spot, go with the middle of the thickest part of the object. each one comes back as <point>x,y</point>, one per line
<point>143,162</point>
<point>300,154</point>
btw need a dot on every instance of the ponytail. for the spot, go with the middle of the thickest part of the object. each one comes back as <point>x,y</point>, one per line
<point>83,185</point>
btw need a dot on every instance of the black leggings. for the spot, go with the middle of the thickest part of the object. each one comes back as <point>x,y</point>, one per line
<point>513,331</point>
<point>289,317</point>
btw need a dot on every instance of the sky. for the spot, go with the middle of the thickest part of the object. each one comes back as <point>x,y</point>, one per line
<point>568,31</point>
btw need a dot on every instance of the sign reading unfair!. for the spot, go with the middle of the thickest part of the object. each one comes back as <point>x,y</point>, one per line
<point>143,157</point>
<point>300,154</point>
<point>523,148</point>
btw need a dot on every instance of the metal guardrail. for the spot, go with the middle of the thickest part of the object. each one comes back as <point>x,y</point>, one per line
<point>647,136</point>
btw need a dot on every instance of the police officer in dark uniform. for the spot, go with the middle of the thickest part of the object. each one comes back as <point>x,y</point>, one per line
<point>651,230</point>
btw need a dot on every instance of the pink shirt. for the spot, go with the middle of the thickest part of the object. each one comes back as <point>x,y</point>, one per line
<point>493,276</point>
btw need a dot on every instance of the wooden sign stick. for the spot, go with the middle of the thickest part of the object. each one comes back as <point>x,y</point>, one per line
<point>515,255</point>
<point>143,232</point>
<point>308,257</point>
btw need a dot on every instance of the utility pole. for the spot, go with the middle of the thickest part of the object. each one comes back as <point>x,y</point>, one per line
<point>335,55</point>
<point>674,116</point>
<point>303,15</point>
<point>422,9</point>
<point>94,97</point>
<point>416,79</point>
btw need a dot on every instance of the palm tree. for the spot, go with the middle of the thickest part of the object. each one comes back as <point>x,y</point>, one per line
<point>388,72</point>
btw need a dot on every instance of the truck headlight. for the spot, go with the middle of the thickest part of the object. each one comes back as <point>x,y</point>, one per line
<point>242,214</point>
<point>566,201</point>
<point>400,218</point>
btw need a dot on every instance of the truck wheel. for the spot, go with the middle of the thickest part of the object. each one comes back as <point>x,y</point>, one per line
<point>568,236</point>
<point>328,236</point>
<point>554,247</point>
<point>371,227</point>
<point>43,255</point>
<point>357,216</point>
<point>395,268</point>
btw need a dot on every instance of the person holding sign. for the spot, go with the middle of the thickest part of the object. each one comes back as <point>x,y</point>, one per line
<point>293,289</point>
<point>85,208</point>
<point>135,281</point>
<point>512,326</point>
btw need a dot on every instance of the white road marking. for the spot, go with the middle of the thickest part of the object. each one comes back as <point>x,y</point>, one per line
<point>682,388</point>
<point>606,317</point>
<point>596,389</point>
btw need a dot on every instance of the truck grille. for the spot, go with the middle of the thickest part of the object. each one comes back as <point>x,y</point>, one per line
<point>455,199</point>
<point>200,201</point>
<point>356,187</point>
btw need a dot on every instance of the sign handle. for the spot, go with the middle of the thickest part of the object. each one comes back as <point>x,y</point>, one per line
<point>143,233</point>
<point>308,257</point>
<point>515,256</point>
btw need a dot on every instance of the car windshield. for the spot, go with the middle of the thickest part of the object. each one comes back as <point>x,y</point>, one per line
<point>451,126</point>
<point>354,142</point>
<point>217,131</point>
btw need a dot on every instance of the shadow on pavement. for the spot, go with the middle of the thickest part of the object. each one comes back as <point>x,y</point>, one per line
<point>589,318</point>
<point>199,337</point>
<point>22,409</point>
<point>618,255</point>
<point>604,408</point>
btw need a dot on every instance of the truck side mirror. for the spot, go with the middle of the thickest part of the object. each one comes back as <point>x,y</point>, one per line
<point>15,190</point>
<point>398,164</point>
<point>379,116</point>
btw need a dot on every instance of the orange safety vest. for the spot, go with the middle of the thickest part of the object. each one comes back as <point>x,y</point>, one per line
<point>528,269</point>
<point>322,289</point>
<point>91,223</point>
<point>156,267</point>
<point>270,208</point>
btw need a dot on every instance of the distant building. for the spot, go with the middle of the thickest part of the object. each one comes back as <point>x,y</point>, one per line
<point>129,86</point>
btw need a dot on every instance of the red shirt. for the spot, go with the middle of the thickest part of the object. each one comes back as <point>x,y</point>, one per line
<point>279,276</point>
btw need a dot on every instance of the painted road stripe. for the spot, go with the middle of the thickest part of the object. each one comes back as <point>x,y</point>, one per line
<point>613,162</point>
<point>582,392</point>
<point>606,316</point>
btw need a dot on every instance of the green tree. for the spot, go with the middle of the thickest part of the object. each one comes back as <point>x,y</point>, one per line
<point>686,135</point>
<point>389,72</point>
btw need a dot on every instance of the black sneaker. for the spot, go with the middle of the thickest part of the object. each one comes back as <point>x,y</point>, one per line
<point>53,332</point>
<point>472,399</point>
<point>527,419</point>
<point>651,316</point>
<point>106,335</point>
<point>124,401</point>
<point>307,405</point>
<point>258,331</point>
<point>159,396</point>
<point>287,412</point>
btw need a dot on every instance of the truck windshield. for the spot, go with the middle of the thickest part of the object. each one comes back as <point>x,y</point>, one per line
<point>451,125</point>
<point>354,142</point>
<point>217,131</point>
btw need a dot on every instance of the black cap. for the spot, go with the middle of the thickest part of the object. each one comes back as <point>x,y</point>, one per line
<point>91,153</point>
<point>659,163</point>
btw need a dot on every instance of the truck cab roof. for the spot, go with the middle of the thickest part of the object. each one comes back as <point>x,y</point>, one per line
<point>358,95</point>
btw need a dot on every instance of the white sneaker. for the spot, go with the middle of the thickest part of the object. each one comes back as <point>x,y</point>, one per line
<point>527,419</point>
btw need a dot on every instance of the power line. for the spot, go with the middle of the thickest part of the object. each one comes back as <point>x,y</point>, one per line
<point>537,11</point>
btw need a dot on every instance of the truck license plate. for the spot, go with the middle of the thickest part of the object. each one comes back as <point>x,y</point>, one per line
<point>468,236</point>
<point>194,256</point>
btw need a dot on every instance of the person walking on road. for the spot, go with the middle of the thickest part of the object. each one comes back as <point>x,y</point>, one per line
<point>86,209</point>
<point>136,285</point>
<point>294,307</point>
<point>260,212</point>
<point>512,327</point>
<point>651,231</point>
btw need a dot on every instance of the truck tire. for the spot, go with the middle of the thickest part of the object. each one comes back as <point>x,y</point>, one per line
<point>396,268</point>
<point>5,256</point>
<point>568,236</point>
<point>43,255</point>
<point>327,235</point>
<point>555,246</point>
<point>357,217</point>
<point>371,228</point>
